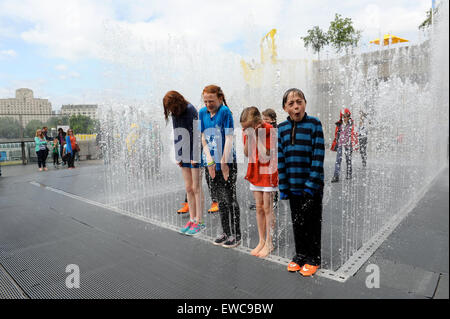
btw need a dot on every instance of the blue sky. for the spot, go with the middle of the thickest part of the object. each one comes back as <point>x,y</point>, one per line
<point>83,51</point>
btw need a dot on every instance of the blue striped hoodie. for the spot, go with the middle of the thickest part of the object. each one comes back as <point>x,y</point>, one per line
<point>301,152</point>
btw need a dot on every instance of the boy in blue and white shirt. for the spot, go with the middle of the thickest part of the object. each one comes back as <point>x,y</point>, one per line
<point>301,153</point>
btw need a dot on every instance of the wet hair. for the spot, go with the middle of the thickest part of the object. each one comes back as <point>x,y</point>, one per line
<point>174,103</point>
<point>250,114</point>
<point>270,113</point>
<point>297,91</point>
<point>214,89</point>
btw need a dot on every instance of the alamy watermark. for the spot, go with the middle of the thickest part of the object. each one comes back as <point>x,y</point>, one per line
<point>373,279</point>
<point>73,280</point>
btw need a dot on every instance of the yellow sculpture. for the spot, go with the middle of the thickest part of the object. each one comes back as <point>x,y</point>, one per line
<point>253,73</point>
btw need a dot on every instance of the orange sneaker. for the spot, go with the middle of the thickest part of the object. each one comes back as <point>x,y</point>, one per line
<point>293,267</point>
<point>308,270</point>
<point>214,207</point>
<point>184,209</point>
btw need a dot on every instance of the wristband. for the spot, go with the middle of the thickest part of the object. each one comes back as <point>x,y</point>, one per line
<point>211,163</point>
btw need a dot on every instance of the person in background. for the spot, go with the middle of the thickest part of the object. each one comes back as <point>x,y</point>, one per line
<point>344,142</point>
<point>71,144</point>
<point>301,153</point>
<point>62,141</point>
<point>362,137</point>
<point>41,150</point>
<point>55,152</point>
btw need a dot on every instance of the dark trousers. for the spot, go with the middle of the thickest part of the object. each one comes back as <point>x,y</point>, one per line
<point>55,159</point>
<point>228,204</point>
<point>71,159</point>
<point>42,157</point>
<point>306,217</point>
<point>61,148</point>
<point>212,190</point>
<point>363,150</point>
<point>348,158</point>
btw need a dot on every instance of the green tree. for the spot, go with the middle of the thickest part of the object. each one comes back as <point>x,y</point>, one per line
<point>54,121</point>
<point>82,124</point>
<point>427,22</point>
<point>316,39</point>
<point>9,127</point>
<point>342,34</point>
<point>31,127</point>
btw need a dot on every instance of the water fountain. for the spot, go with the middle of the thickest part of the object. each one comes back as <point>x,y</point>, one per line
<point>403,90</point>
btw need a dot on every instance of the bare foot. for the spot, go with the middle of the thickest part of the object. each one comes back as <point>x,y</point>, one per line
<point>255,251</point>
<point>267,249</point>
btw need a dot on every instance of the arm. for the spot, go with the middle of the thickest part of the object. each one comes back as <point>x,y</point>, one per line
<point>245,145</point>
<point>318,154</point>
<point>283,184</point>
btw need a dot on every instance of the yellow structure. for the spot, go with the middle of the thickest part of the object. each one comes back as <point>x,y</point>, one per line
<point>389,39</point>
<point>85,137</point>
<point>132,137</point>
<point>253,73</point>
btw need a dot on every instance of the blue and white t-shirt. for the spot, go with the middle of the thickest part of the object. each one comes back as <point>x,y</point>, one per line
<point>215,129</point>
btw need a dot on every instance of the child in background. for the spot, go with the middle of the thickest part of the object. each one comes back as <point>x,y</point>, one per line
<point>261,173</point>
<point>344,141</point>
<point>55,152</point>
<point>301,153</point>
<point>270,116</point>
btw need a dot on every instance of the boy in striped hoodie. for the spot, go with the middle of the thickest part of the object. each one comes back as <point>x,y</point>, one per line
<point>301,153</point>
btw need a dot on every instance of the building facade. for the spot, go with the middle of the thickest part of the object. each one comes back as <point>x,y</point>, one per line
<point>25,106</point>
<point>90,110</point>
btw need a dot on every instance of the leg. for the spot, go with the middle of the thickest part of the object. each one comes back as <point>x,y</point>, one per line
<point>348,159</point>
<point>196,174</point>
<point>298,224</point>
<point>235,210</point>
<point>261,222</point>
<point>337,166</point>
<point>363,150</point>
<point>313,228</point>
<point>188,184</point>
<point>39,158</point>
<point>268,211</point>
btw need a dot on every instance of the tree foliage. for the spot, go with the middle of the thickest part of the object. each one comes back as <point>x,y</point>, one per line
<point>82,124</point>
<point>316,39</point>
<point>32,127</point>
<point>54,121</point>
<point>342,34</point>
<point>9,127</point>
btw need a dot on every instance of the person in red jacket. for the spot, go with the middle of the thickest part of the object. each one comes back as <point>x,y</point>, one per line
<point>345,140</point>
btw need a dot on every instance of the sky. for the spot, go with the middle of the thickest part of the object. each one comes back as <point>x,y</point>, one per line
<point>84,51</point>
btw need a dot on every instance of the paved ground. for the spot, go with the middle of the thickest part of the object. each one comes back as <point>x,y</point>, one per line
<point>41,232</point>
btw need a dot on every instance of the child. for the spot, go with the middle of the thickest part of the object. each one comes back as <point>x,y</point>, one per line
<point>55,152</point>
<point>344,141</point>
<point>218,153</point>
<point>184,115</point>
<point>270,116</point>
<point>301,154</point>
<point>263,177</point>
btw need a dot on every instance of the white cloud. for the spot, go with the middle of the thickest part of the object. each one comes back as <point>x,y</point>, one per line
<point>61,67</point>
<point>8,53</point>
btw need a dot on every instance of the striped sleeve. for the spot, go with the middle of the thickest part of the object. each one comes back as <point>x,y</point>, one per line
<point>316,175</point>
<point>283,183</point>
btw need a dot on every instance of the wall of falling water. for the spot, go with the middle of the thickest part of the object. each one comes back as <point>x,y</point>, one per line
<point>403,91</point>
